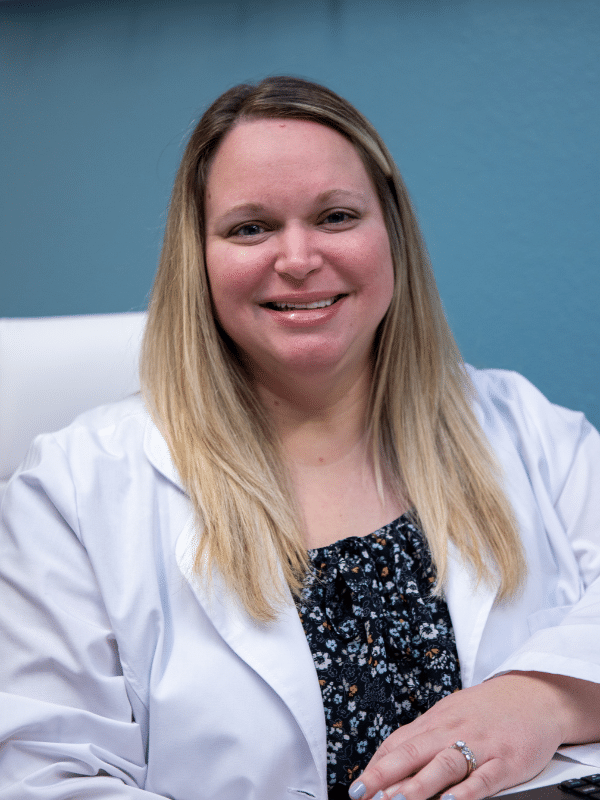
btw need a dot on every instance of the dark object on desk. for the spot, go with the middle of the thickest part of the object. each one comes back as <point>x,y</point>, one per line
<point>573,789</point>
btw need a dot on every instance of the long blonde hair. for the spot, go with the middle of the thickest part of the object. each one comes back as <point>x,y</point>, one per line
<point>425,439</point>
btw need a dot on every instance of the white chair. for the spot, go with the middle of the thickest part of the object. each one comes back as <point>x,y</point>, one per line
<point>53,368</point>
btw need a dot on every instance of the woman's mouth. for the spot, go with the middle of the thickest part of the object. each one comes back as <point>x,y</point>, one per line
<point>285,306</point>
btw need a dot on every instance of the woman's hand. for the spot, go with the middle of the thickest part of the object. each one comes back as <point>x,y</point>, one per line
<point>513,724</point>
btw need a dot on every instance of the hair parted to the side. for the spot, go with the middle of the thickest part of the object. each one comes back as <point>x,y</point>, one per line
<point>425,439</point>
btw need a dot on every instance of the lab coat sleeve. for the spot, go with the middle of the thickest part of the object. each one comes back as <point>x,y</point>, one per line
<point>67,728</point>
<point>561,451</point>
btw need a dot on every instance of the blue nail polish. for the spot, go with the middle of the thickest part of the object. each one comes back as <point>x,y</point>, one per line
<point>357,790</point>
<point>448,796</point>
<point>399,796</point>
<point>378,796</point>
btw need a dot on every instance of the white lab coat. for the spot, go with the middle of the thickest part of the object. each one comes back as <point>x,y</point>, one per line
<point>124,677</point>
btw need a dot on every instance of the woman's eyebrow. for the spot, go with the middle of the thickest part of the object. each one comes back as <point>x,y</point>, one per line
<point>340,193</point>
<point>239,211</point>
<point>245,208</point>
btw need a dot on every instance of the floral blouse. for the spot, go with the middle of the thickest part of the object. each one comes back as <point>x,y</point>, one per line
<point>383,646</point>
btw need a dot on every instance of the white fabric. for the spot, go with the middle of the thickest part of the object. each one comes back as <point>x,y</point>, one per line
<point>559,769</point>
<point>119,660</point>
<point>53,368</point>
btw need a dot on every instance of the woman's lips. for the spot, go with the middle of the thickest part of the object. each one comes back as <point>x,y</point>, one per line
<point>280,305</point>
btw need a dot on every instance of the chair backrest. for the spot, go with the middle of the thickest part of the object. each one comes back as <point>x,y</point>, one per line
<point>53,368</point>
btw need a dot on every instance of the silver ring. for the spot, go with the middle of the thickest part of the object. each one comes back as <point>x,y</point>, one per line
<point>467,753</point>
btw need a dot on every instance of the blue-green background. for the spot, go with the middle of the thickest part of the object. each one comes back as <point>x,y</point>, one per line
<point>491,108</point>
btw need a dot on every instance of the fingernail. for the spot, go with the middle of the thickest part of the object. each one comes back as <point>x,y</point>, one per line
<point>357,790</point>
<point>398,797</point>
<point>378,796</point>
<point>448,796</point>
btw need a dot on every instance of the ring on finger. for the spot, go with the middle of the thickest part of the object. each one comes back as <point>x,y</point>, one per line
<point>467,753</point>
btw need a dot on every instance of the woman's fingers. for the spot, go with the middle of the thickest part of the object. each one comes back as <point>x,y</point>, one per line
<point>435,777</point>
<point>484,782</point>
<point>431,765</point>
<point>445,773</point>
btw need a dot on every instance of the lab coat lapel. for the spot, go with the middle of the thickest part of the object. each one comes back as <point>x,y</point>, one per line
<point>470,606</point>
<point>277,651</point>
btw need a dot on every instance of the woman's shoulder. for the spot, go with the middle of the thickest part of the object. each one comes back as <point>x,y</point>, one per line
<point>518,417</point>
<point>501,383</point>
<point>104,474</point>
<point>512,396</point>
<point>106,430</point>
<point>117,441</point>
<point>111,419</point>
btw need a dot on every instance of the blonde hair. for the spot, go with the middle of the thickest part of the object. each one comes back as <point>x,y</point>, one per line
<point>425,439</point>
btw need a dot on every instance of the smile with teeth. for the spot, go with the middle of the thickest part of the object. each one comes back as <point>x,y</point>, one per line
<point>304,306</point>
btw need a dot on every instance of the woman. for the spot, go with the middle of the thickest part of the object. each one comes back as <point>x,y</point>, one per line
<point>273,575</point>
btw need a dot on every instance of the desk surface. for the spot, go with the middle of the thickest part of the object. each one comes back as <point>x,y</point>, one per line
<point>559,769</point>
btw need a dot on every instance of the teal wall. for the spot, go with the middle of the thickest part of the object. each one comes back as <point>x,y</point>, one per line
<point>491,108</point>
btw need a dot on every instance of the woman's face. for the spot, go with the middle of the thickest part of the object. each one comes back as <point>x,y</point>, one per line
<point>297,251</point>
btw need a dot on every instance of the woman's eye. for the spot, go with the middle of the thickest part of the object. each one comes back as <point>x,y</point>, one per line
<point>248,229</point>
<point>337,217</point>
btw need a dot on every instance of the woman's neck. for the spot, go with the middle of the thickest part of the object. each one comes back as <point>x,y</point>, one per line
<point>325,443</point>
<point>318,427</point>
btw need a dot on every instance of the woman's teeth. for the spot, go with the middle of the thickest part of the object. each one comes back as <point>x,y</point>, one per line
<point>304,306</point>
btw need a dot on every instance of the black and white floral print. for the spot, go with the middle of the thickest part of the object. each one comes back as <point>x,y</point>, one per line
<point>383,646</point>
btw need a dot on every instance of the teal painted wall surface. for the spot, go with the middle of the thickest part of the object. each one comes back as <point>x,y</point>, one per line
<point>490,107</point>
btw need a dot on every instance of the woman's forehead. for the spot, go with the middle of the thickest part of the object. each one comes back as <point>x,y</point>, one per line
<point>270,152</point>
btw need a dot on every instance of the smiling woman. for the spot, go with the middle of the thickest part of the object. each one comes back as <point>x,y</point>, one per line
<point>297,255</point>
<point>319,556</point>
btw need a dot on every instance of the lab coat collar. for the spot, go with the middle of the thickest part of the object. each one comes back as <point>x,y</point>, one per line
<point>158,453</point>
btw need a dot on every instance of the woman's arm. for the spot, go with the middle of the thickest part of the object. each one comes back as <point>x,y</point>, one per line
<point>66,722</point>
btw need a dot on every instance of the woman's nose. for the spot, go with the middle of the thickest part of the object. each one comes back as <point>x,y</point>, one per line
<point>298,254</point>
